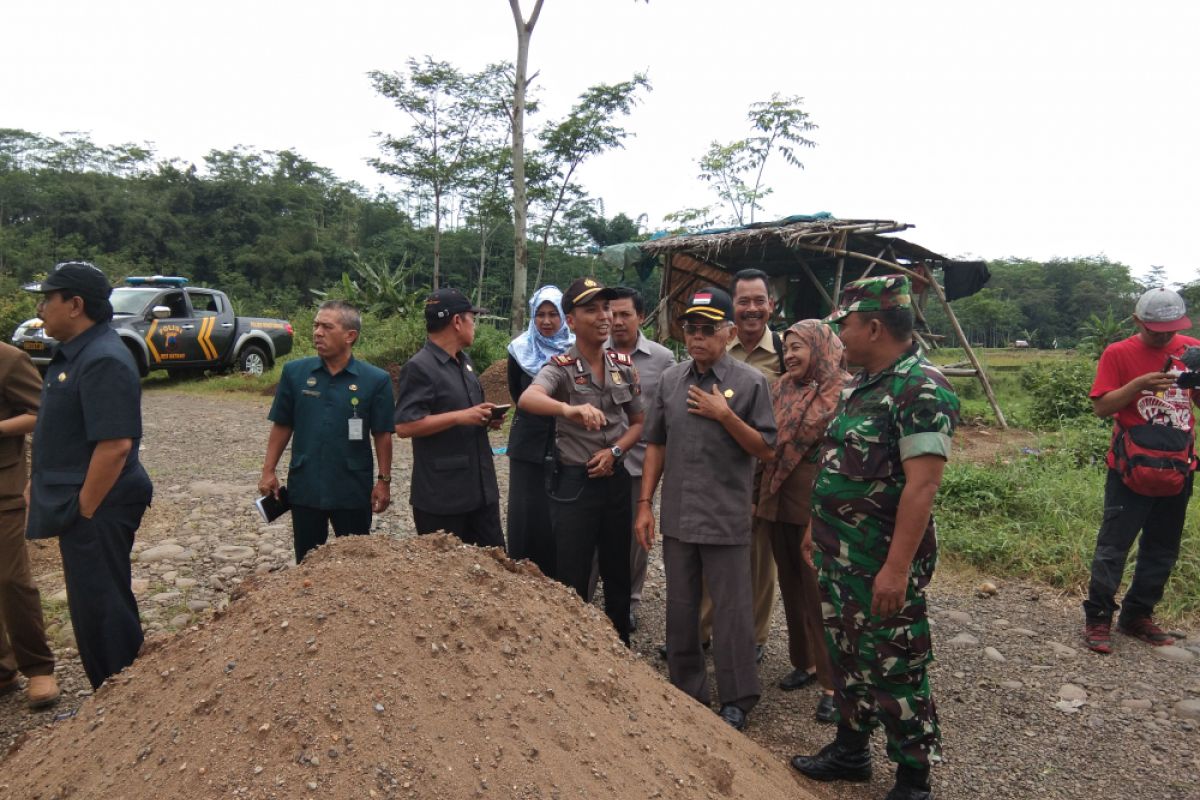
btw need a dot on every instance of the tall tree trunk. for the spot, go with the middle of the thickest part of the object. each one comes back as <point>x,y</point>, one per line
<point>437,237</point>
<point>520,198</point>
<point>483,237</point>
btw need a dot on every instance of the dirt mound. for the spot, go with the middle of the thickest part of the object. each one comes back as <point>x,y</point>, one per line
<point>386,668</point>
<point>495,382</point>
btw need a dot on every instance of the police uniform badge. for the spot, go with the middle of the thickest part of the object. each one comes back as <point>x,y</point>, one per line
<point>581,380</point>
<point>62,376</point>
<point>311,381</point>
<point>616,378</point>
<point>728,392</point>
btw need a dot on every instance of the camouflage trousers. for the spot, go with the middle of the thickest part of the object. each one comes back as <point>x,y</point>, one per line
<point>879,665</point>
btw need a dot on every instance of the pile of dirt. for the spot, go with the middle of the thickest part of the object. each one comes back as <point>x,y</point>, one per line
<point>495,382</point>
<point>386,668</point>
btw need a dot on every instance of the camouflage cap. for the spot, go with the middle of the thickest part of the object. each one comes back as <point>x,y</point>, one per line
<point>873,294</point>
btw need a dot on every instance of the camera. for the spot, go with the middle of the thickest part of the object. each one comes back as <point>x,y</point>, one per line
<point>1191,360</point>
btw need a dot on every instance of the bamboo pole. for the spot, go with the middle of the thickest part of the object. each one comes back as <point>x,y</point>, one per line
<point>662,331</point>
<point>941,295</point>
<point>841,263</point>
<point>813,277</point>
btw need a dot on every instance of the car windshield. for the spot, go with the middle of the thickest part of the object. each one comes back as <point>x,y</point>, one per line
<point>131,301</point>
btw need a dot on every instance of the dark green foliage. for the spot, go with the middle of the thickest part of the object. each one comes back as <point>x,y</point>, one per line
<point>269,229</point>
<point>1045,303</point>
<point>1058,391</point>
<point>1098,332</point>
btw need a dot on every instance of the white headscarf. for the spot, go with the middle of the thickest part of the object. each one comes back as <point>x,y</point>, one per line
<point>531,349</point>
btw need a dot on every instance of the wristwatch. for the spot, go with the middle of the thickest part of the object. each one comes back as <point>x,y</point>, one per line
<point>384,478</point>
<point>617,452</point>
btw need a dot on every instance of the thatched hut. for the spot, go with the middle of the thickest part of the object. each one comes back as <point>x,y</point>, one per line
<point>809,258</point>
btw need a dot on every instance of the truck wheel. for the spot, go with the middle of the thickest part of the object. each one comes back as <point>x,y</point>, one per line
<point>252,360</point>
<point>142,369</point>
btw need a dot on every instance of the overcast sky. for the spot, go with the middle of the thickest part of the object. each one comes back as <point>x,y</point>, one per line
<point>1034,129</point>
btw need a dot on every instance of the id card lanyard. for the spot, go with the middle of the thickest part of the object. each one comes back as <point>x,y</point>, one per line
<point>355,421</point>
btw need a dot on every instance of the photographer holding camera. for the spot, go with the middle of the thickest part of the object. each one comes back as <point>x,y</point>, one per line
<point>1147,384</point>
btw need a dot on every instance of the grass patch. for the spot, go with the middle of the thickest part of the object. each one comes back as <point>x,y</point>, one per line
<point>1036,517</point>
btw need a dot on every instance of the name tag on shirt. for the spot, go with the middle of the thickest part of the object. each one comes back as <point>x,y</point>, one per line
<point>356,429</point>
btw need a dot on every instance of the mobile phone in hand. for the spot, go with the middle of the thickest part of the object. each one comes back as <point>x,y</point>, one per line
<point>498,412</point>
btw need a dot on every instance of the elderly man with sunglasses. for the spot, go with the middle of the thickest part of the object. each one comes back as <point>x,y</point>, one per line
<point>710,410</point>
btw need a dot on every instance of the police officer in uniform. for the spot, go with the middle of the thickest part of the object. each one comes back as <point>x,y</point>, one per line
<point>596,393</point>
<point>881,465</point>
<point>87,486</point>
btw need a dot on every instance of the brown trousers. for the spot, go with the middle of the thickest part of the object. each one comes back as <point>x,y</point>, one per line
<point>762,586</point>
<point>22,632</point>
<point>801,602</point>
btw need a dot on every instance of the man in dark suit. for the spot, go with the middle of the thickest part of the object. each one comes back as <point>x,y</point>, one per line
<point>87,486</point>
<point>441,408</point>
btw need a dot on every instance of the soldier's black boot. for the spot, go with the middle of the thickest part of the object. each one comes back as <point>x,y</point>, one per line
<point>846,758</point>
<point>911,784</point>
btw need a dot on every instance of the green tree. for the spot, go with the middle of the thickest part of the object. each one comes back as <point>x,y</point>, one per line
<point>736,170</point>
<point>1098,332</point>
<point>589,129</point>
<point>449,111</point>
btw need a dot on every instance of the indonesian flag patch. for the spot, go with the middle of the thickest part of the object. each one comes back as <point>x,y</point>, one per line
<point>702,299</point>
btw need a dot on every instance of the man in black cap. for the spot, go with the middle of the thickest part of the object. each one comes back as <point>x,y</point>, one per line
<point>87,486</point>
<point>710,412</point>
<point>596,393</point>
<point>441,408</point>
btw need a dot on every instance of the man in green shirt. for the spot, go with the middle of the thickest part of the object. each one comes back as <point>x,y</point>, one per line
<point>881,465</point>
<point>331,407</point>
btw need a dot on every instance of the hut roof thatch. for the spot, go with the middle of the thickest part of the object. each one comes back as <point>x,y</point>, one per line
<point>773,246</point>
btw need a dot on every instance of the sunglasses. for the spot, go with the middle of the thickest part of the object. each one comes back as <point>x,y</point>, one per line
<point>705,329</point>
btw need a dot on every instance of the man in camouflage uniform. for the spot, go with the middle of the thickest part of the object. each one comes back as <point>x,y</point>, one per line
<point>882,463</point>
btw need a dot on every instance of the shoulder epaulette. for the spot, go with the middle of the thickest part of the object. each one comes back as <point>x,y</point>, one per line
<point>620,358</point>
<point>563,360</point>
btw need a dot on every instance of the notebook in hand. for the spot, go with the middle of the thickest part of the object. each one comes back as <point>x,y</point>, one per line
<point>270,508</point>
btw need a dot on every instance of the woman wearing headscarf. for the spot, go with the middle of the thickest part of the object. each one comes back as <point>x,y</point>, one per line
<point>805,399</point>
<point>532,436</point>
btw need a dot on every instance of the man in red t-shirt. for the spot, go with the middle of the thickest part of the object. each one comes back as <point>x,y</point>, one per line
<point>1136,384</point>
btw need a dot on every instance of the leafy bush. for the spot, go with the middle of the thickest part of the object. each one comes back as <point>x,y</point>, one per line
<point>1058,391</point>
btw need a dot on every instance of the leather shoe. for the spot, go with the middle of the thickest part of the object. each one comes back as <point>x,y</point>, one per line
<point>797,679</point>
<point>734,716</point>
<point>42,691</point>
<point>825,709</point>
<point>903,791</point>
<point>836,762</point>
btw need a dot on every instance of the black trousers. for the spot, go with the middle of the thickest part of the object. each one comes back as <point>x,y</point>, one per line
<point>104,613</point>
<point>1160,521</point>
<point>310,526</point>
<point>480,527</point>
<point>598,521</point>
<point>529,532</point>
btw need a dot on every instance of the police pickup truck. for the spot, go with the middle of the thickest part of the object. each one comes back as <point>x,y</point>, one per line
<point>167,324</point>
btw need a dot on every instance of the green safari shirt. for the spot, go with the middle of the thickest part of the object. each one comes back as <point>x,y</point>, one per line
<point>906,410</point>
<point>328,469</point>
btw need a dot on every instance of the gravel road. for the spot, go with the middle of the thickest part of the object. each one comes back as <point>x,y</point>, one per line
<point>1026,711</point>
